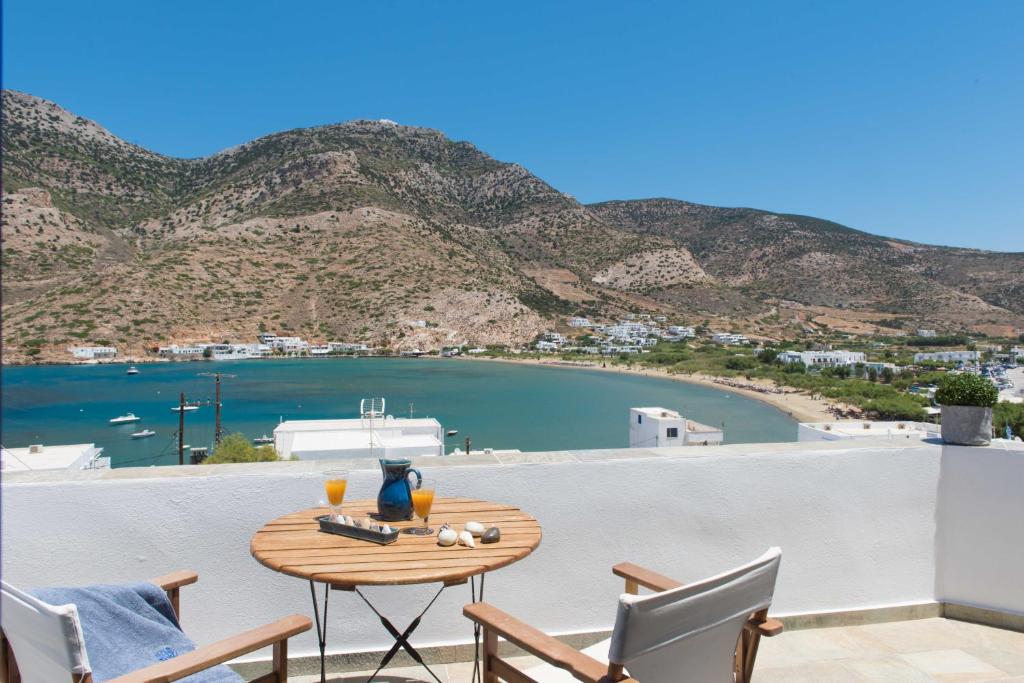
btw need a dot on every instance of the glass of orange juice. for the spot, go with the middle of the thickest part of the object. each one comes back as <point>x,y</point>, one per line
<point>335,483</point>
<point>422,501</point>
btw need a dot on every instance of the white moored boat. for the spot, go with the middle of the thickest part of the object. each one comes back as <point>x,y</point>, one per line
<point>144,434</point>
<point>263,439</point>
<point>132,370</point>
<point>187,409</point>
<point>124,419</point>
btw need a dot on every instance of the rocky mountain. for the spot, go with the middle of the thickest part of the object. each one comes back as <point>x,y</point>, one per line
<point>357,231</point>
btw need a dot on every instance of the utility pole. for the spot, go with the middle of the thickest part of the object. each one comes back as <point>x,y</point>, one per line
<point>181,426</point>
<point>181,429</point>
<point>411,410</point>
<point>217,432</point>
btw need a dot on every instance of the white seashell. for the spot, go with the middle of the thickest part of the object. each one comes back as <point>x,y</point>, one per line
<point>385,529</point>
<point>466,539</point>
<point>447,536</point>
<point>475,528</point>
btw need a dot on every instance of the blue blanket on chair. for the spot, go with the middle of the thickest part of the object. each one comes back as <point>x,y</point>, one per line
<point>129,627</point>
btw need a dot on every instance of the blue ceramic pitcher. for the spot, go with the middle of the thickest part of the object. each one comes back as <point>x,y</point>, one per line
<point>394,502</point>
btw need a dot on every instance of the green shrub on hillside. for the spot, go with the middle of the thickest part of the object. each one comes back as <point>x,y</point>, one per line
<point>966,389</point>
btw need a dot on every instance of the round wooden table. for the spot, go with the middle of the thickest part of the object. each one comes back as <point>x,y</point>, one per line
<point>294,545</point>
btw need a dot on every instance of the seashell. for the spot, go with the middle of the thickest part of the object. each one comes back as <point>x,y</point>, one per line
<point>447,536</point>
<point>385,529</point>
<point>475,528</point>
<point>492,535</point>
<point>357,523</point>
<point>466,539</point>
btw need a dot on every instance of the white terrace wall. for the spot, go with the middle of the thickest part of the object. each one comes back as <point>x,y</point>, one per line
<point>857,527</point>
<point>981,528</point>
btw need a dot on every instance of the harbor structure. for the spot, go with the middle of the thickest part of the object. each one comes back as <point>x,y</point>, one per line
<point>661,428</point>
<point>79,456</point>
<point>387,437</point>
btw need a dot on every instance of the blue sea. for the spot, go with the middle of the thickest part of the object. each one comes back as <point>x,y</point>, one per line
<point>497,405</point>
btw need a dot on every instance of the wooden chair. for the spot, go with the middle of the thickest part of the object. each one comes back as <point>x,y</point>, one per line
<point>705,632</point>
<point>41,643</point>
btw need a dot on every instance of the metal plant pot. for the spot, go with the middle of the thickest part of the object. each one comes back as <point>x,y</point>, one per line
<point>966,425</point>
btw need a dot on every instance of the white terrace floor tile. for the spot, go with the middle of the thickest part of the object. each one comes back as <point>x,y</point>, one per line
<point>918,651</point>
<point>954,666</point>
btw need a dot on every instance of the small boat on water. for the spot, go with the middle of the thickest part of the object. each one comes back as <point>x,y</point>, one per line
<point>124,419</point>
<point>187,409</point>
<point>132,370</point>
<point>452,432</point>
<point>144,434</point>
<point>263,439</point>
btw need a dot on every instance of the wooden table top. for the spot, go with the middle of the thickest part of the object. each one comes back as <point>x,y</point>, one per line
<point>294,545</point>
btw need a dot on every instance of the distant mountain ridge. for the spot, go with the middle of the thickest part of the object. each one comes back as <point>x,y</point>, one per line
<point>360,230</point>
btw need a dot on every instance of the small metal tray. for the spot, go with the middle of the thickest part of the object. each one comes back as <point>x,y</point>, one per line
<point>327,526</point>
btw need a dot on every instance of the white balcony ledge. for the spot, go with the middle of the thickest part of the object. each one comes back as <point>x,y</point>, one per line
<point>872,530</point>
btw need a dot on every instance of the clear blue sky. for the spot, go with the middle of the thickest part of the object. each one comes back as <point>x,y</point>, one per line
<point>904,119</point>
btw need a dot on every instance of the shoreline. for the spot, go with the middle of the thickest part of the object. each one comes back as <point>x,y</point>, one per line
<point>793,403</point>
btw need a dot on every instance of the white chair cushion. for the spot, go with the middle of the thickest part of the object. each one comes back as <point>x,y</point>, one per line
<point>47,639</point>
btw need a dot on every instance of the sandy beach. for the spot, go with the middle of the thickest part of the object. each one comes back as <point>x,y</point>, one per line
<point>800,406</point>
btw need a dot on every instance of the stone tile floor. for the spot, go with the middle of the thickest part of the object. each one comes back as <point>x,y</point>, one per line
<point>923,650</point>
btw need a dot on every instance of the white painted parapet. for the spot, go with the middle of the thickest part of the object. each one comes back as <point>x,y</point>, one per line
<point>861,525</point>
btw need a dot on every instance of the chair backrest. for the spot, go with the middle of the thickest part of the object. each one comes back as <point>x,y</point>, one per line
<point>690,633</point>
<point>47,640</point>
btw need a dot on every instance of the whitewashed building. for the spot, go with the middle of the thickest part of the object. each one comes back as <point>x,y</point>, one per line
<point>822,359</point>
<point>661,428</point>
<point>926,333</point>
<point>79,456</point>
<point>345,347</point>
<point>729,339</point>
<point>681,331</point>
<point>947,357</point>
<point>181,352</point>
<point>391,437</point>
<point>580,322</point>
<point>93,352</point>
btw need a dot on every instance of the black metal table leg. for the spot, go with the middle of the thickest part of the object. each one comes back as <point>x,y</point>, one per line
<point>321,630</point>
<point>402,639</point>
<point>477,669</point>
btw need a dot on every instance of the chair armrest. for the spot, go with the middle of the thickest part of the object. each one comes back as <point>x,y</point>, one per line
<point>538,643</point>
<point>219,652</point>
<point>636,575</point>
<point>172,583</point>
<point>176,579</point>
<point>768,627</point>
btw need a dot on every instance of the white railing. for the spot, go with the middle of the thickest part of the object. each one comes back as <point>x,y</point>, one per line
<point>861,525</point>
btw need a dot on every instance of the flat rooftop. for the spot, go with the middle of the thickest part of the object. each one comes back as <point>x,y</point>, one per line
<point>356,423</point>
<point>47,457</point>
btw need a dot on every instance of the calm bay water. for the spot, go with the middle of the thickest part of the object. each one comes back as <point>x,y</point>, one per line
<point>498,405</point>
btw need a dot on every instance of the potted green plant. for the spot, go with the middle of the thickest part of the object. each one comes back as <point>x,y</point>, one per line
<point>967,402</point>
